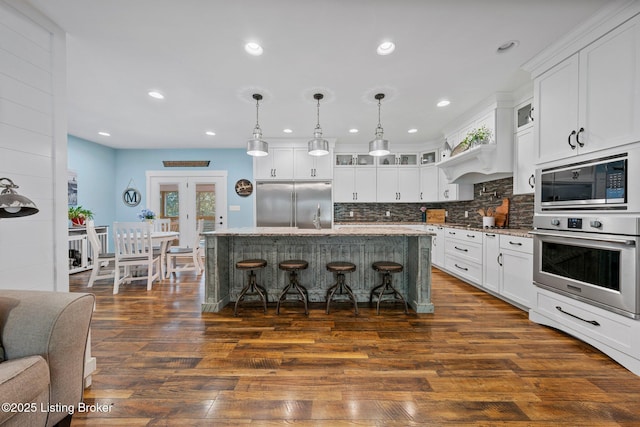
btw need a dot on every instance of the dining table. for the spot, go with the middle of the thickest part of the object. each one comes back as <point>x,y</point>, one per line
<point>164,239</point>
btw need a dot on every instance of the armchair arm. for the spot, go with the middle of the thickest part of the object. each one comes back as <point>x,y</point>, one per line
<point>54,325</point>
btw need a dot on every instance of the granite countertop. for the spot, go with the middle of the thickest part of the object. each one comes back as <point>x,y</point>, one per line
<point>519,232</point>
<point>378,230</point>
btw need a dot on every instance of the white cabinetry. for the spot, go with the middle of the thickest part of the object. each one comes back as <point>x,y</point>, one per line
<point>524,162</point>
<point>590,101</point>
<point>463,254</point>
<point>491,270</point>
<point>516,261</point>
<point>437,245</point>
<point>311,167</point>
<point>429,176</point>
<point>277,165</point>
<point>354,178</point>
<point>448,192</point>
<point>398,178</point>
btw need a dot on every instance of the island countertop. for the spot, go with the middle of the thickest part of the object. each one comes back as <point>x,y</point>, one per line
<point>341,231</point>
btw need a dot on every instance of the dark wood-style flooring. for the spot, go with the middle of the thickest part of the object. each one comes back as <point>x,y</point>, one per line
<point>476,361</point>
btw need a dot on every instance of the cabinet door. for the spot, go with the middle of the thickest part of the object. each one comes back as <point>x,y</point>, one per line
<point>439,247</point>
<point>610,89</point>
<point>344,180</point>
<point>491,268</point>
<point>387,188</point>
<point>365,187</point>
<point>556,101</point>
<point>282,163</point>
<point>303,164</point>
<point>263,167</point>
<point>517,277</point>
<point>429,183</point>
<point>408,184</point>
<point>524,166</point>
<point>323,168</point>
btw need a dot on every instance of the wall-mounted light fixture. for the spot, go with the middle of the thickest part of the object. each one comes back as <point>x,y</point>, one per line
<point>12,204</point>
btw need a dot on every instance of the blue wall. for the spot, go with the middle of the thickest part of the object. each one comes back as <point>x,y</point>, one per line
<point>104,173</point>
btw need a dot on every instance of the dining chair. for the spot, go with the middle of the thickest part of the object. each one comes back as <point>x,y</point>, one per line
<point>162,224</point>
<point>195,253</point>
<point>134,248</point>
<point>101,260</point>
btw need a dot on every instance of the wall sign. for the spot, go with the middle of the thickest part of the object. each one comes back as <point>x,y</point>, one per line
<point>244,188</point>
<point>131,196</point>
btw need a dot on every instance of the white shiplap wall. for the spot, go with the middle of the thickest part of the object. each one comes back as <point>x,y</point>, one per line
<point>33,249</point>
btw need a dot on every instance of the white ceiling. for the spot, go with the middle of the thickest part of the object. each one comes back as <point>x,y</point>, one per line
<point>192,51</point>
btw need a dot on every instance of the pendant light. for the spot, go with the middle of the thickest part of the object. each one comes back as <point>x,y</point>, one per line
<point>257,146</point>
<point>379,146</point>
<point>318,146</point>
<point>12,204</point>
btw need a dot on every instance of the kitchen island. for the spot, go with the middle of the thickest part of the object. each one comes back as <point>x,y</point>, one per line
<point>361,246</point>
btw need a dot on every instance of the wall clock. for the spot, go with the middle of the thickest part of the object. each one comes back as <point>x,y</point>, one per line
<point>244,187</point>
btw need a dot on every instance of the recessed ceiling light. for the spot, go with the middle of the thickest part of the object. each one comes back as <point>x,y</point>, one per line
<point>385,48</point>
<point>155,94</point>
<point>507,45</point>
<point>210,133</point>
<point>353,130</point>
<point>253,48</point>
<point>414,130</point>
<point>287,130</point>
<point>102,133</point>
<point>443,103</point>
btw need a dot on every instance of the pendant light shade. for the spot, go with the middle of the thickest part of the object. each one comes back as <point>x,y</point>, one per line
<point>12,204</point>
<point>318,146</point>
<point>257,146</point>
<point>379,146</point>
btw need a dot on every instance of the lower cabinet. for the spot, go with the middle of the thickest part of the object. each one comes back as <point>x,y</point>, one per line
<point>500,263</point>
<point>437,245</point>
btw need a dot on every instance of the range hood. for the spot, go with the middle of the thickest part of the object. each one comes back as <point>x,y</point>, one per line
<point>478,164</point>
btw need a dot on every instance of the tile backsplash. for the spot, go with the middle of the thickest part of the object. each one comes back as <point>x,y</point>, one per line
<point>520,208</point>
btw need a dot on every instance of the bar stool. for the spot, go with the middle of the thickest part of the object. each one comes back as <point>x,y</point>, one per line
<point>252,287</point>
<point>340,268</point>
<point>294,287</point>
<point>386,288</point>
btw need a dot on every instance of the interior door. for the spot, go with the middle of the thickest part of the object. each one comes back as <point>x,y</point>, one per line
<point>185,198</point>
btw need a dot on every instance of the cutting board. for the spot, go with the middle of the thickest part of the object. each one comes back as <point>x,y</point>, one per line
<point>435,216</point>
<point>502,214</point>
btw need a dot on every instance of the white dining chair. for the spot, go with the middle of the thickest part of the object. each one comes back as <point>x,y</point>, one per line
<point>162,224</point>
<point>103,262</point>
<point>194,255</point>
<point>134,248</point>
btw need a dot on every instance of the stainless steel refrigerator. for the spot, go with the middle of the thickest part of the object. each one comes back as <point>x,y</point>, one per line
<point>293,204</point>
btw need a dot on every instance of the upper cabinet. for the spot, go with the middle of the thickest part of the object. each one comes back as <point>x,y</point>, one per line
<point>591,100</point>
<point>490,159</point>
<point>354,178</point>
<point>523,150</point>
<point>311,167</point>
<point>277,165</point>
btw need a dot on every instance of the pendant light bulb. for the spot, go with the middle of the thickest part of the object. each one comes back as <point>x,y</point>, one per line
<point>318,146</point>
<point>379,146</point>
<point>256,146</point>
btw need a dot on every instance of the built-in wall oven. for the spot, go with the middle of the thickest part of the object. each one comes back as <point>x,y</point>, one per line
<point>590,258</point>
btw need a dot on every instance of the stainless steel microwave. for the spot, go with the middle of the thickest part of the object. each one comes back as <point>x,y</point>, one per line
<point>597,184</point>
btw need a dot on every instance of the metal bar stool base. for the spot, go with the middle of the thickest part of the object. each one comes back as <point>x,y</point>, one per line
<point>342,289</point>
<point>386,289</point>
<point>294,288</point>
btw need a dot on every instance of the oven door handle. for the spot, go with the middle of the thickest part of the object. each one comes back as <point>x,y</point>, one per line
<point>626,242</point>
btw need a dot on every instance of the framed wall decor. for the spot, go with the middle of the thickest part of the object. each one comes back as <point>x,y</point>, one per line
<point>244,187</point>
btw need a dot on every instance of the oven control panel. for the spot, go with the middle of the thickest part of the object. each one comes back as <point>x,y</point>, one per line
<point>574,223</point>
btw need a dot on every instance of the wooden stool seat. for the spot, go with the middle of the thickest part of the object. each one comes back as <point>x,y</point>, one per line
<point>250,264</point>
<point>293,286</point>
<point>252,287</point>
<point>293,264</point>
<point>340,268</point>
<point>386,288</point>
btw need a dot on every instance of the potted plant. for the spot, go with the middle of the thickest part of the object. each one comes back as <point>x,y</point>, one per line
<point>147,215</point>
<point>78,215</point>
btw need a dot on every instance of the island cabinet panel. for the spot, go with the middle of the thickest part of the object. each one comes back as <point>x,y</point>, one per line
<point>224,282</point>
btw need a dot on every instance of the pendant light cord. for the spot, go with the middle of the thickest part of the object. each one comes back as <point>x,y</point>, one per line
<point>257,108</point>
<point>318,125</point>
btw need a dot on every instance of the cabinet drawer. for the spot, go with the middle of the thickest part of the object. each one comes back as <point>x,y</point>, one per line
<point>468,251</point>
<point>470,271</point>
<point>609,328</point>
<point>464,235</point>
<point>516,243</point>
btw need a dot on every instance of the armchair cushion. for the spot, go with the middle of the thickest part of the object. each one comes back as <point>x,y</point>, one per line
<point>24,383</point>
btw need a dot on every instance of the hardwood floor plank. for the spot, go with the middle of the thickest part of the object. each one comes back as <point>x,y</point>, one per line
<point>476,361</point>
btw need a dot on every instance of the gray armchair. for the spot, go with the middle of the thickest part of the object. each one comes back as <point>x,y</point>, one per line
<point>44,335</point>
